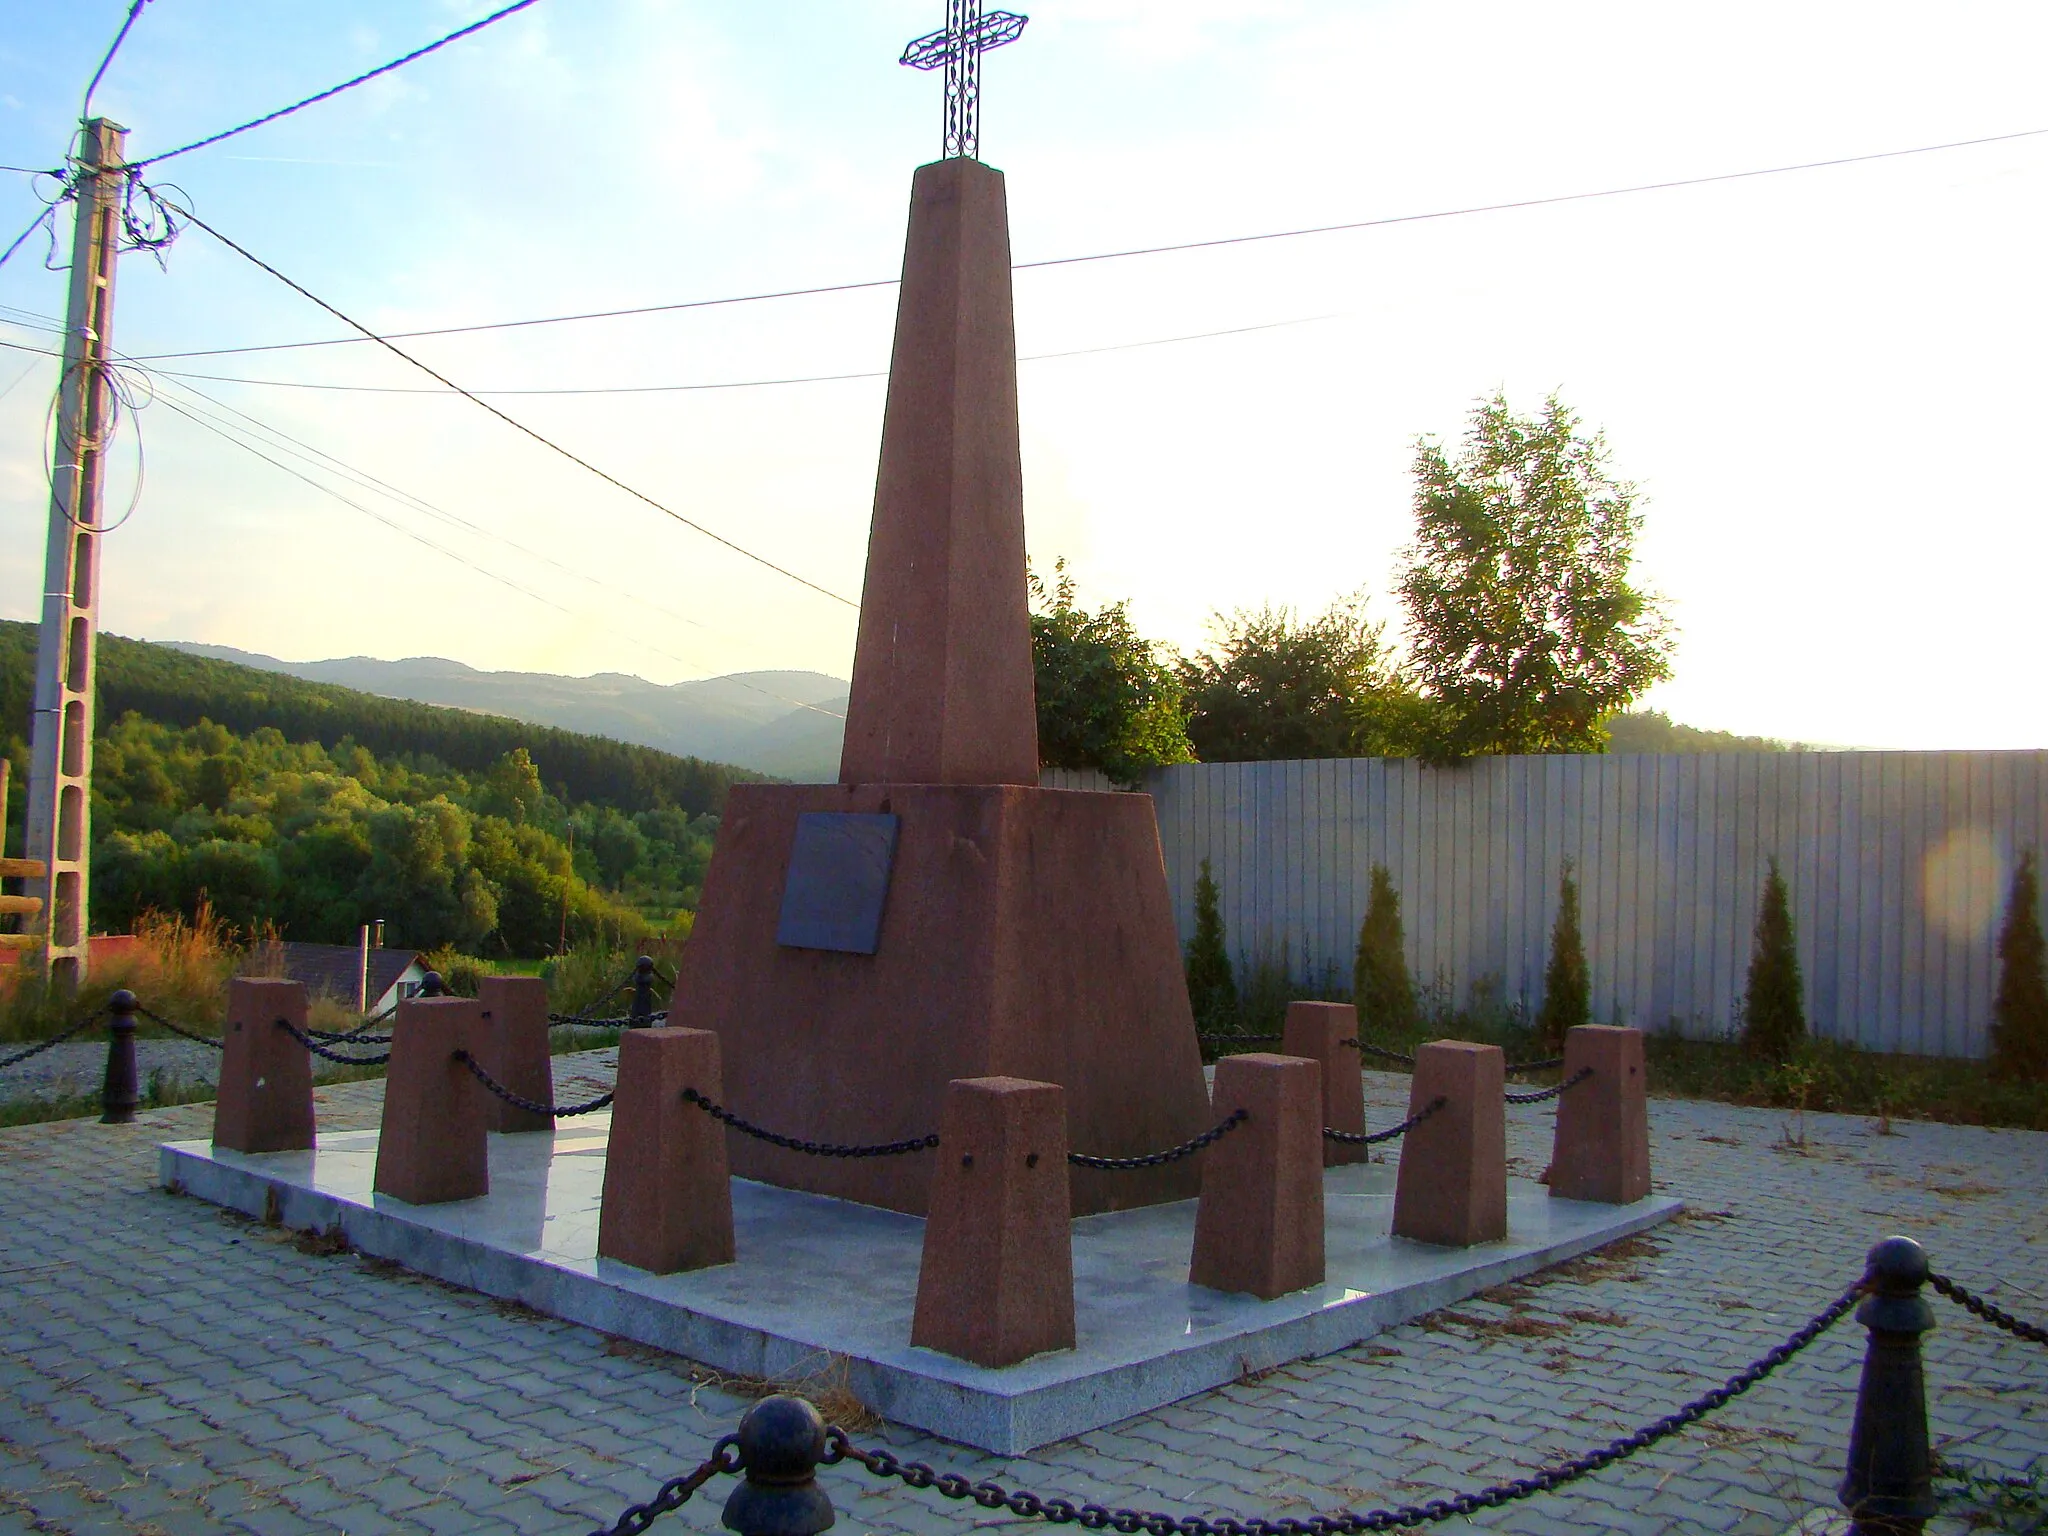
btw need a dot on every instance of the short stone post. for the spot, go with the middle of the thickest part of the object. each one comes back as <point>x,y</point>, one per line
<point>1259,1227</point>
<point>643,992</point>
<point>1602,1146</point>
<point>120,1090</point>
<point>1888,1488</point>
<point>265,1100</point>
<point>781,1442</point>
<point>1452,1188</point>
<point>996,1284</point>
<point>432,1147</point>
<point>667,1195</point>
<point>1319,1031</point>
<point>514,1049</point>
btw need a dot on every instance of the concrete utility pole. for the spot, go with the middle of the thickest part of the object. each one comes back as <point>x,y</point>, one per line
<point>60,731</point>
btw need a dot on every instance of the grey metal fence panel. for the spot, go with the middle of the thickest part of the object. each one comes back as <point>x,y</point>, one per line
<point>1897,864</point>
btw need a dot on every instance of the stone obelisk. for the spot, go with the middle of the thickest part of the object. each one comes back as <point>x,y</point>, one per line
<point>936,915</point>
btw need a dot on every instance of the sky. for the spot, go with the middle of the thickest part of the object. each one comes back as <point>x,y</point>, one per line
<point>1824,383</point>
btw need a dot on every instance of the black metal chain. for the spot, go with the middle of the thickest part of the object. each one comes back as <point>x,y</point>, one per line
<point>1216,1132</point>
<point>1095,1517</point>
<point>1363,1139</point>
<point>1377,1050</point>
<point>520,1101</point>
<point>1234,1038</point>
<point>1548,1064</point>
<point>347,1036</point>
<point>177,1029</point>
<point>2033,1333</point>
<point>811,1148</point>
<point>320,1050</point>
<point>620,1021</point>
<point>57,1039</point>
<point>676,1492</point>
<point>1552,1091</point>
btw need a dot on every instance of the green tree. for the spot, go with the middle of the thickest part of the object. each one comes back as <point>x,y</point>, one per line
<point>1522,622</point>
<point>2019,1013</point>
<point>1212,991</point>
<point>1274,686</point>
<point>1567,987</point>
<point>512,789</point>
<point>1106,700</point>
<point>1380,984</point>
<point>1774,1001</point>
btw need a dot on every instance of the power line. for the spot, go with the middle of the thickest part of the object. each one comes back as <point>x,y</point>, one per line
<point>1150,250</point>
<point>99,74</point>
<point>609,479</point>
<point>663,389</point>
<point>220,430</point>
<point>20,239</point>
<point>382,69</point>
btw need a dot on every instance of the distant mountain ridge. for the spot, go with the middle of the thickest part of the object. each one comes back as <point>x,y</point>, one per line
<point>788,724</point>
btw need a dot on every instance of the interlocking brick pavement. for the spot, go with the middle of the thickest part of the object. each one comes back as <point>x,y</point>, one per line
<point>166,1368</point>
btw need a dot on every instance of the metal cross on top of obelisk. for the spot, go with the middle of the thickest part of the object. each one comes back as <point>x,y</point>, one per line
<point>968,34</point>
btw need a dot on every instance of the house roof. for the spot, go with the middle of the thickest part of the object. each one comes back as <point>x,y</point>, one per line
<point>335,968</point>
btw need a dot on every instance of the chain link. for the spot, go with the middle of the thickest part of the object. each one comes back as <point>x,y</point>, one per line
<point>676,1492</point>
<point>619,1021</point>
<point>1548,1064</point>
<point>57,1039</point>
<point>347,1036</point>
<point>1234,1038</point>
<point>1216,1132</point>
<point>2033,1333</point>
<point>1552,1091</point>
<point>320,1050</point>
<point>1095,1517</point>
<point>1363,1139</point>
<point>520,1101</point>
<point>1377,1050</point>
<point>810,1148</point>
<point>177,1029</point>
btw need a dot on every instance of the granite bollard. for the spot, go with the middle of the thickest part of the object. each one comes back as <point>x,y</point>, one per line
<point>431,1145</point>
<point>513,1048</point>
<point>265,1099</point>
<point>1602,1150</point>
<point>1319,1031</point>
<point>667,1194</point>
<point>996,1284</point>
<point>1259,1227</point>
<point>1452,1189</point>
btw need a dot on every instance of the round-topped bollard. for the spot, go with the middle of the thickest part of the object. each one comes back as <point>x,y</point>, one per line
<point>120,1090</point>
<point>1889,1482</point>
<point>431,985</point>
<point>643,991</point>
<point>782,1440</point>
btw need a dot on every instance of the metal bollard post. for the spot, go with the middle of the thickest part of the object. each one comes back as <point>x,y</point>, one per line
<point>431,985</point>
<point>643,991</point>
<point>120,1092</point>
<point>1888,1488</point>
<point>782,1439</point>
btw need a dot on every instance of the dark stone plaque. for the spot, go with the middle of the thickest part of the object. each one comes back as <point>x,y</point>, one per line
<point>838,879</point>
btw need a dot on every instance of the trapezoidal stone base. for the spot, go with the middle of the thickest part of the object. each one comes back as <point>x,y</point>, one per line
<point>1026,933</point>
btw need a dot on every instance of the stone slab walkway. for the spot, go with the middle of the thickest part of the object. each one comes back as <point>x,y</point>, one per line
<point>167,1369</point>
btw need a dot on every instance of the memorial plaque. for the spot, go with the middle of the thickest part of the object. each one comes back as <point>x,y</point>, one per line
<point>838,879</point>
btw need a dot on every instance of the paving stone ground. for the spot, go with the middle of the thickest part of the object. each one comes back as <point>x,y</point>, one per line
<point>170,1370</point>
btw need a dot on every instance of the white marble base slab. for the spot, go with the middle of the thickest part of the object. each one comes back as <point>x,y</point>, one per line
<point>824,1285</point>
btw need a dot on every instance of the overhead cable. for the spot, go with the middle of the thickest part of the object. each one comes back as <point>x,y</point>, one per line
<point>517,425</point>
<point>665,389</point>
<point>1148,250</point>
<point>382,69</point>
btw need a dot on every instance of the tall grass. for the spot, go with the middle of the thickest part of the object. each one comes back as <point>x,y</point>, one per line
<point>178,966</point>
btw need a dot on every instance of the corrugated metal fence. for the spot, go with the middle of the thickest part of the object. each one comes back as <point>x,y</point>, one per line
<point>1898,865</point>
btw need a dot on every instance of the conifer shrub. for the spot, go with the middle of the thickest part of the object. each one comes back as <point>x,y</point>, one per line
<point>1774,1002</point>
<point>1567,986</point>
<point>2019,1012</point>
<point>1380,985</point>
<point>1212,991</point>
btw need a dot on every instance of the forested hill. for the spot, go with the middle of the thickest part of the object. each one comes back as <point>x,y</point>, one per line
<point>178,689</point>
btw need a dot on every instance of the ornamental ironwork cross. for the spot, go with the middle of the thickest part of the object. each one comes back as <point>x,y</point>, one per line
<point>968,34</point>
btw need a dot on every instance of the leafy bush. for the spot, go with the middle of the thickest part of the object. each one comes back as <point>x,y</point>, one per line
<point>1567,986</point>
<point>1774,1002</point>
<point>1380,985</point>
<point>2019,1028</point>
<point>1212,991</point>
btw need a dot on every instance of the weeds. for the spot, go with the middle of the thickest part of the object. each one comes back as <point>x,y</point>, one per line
<point>1985,1500</point>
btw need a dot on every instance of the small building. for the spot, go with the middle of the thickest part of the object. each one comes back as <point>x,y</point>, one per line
<point>337,970</point>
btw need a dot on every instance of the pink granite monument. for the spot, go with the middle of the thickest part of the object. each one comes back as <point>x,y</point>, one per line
<point>935,915</point>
